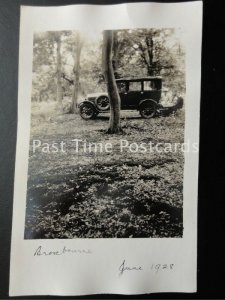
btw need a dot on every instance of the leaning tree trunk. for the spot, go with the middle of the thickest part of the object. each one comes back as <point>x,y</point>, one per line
<point>76,72</point>
<point>59,93</point>
<point>114,98</point>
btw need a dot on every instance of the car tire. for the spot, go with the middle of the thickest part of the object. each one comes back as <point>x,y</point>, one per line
<point>148,109</point>
<point>87,111</point>
<point>102,103</point>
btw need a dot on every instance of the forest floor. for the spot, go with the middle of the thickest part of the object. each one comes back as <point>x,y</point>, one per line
<point>104,195</point>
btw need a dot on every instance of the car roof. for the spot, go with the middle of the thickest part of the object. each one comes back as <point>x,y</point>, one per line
<point>140,79</point>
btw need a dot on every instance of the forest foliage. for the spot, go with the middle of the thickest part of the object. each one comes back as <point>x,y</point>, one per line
<point>105,195</point>
<point>68,64</point>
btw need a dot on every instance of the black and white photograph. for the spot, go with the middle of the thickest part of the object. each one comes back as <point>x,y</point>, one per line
<point>106,155</point>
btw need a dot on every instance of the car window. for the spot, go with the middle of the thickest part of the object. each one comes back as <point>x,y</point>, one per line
<point>135,86</point>
<point>121,87</point>
<point>152,85</point>
<point>148,85</point>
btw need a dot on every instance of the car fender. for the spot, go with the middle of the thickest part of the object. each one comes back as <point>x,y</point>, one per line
<point>180,103</point>
<point>146,101</point>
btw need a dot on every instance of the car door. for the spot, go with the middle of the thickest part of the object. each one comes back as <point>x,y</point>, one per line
<point>134,94</point>
<point>152,90</point>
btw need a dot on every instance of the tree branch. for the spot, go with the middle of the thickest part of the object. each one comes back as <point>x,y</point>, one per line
<point>67,79</point>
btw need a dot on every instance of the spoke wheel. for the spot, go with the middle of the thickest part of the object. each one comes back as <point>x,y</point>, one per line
<point>87,111</point>
<point>148,110</point>
<point>102,103</point>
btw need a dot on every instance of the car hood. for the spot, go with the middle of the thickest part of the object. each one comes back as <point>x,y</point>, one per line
<point>95,95</point>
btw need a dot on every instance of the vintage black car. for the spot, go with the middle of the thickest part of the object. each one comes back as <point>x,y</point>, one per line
<point>142,94</point>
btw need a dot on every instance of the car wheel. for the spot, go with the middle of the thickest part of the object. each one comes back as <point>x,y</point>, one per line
<point>87,111</point>
<point>148,110</point>
<point>102,103</point>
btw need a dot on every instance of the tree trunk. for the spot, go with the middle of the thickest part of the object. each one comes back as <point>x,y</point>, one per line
<point>76,72</point>
<point>149,43</point>
<point>116,51</point>
<point>59,94</point>
<point>114,98</point>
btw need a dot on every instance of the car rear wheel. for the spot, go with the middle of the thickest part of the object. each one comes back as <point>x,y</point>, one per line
<point>87,111</point>
<point>148,110</point>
